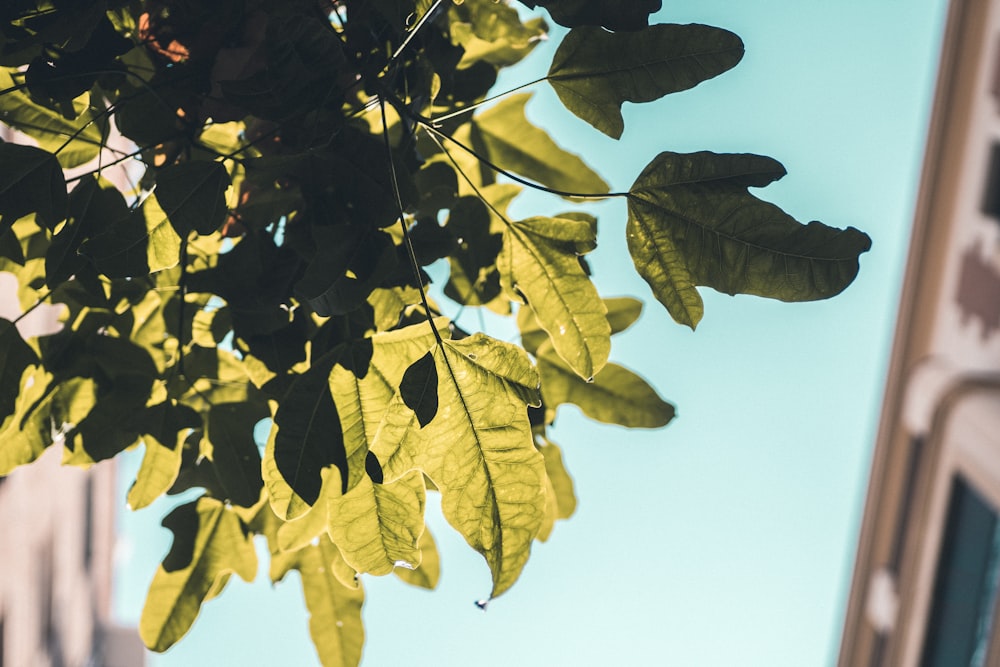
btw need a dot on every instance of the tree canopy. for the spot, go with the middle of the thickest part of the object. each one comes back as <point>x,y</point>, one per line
<point>293,168</point>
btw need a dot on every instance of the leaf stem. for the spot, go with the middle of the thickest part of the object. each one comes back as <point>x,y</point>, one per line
<point>42,299</point>
<point>514,177</point>
<point>402,223</point>
<point>437,120</point>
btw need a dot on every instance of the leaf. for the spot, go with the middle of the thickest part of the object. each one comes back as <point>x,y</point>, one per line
<point>539,261</point>
<point>15,358</point>
<point>594,71</point>
<point>234,451</point>
<point>363,389</point>
<point>377,526</point>
<point>616,396</point>
<point>493,32</point>
<point>418,389</point>
<point>135,246</point>
<point>334,609</point>
<point>612,14</point>
<point>210,541</point>
<point>32,182</point>
<point>26,432</point>
<point>693,222</point>
<point>560,500</point>
<point>193,195</point>
<point>426,574</point>
<point>92,208</point>
<point>479,452</point>
<point>166,427</point>
<point>562,483</point>
<point>306,438</point>
<point>510,141</point>
<point>74,142</point>
<point>350,262</point>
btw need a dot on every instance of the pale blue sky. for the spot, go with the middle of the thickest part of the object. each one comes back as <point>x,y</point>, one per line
<point>728,537</point>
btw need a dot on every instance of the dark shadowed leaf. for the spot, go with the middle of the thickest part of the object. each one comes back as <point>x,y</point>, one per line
<point>350,262</point>
<point>15,357</point>
<point>693,222</point>
<point>193,195</point>
<point>92,208</point>
<point>234,451</point>
<point>611,14</point>
<point>305,439</point>
<point>418,389</point>
<point>595,71</point>
<point>31,181</point>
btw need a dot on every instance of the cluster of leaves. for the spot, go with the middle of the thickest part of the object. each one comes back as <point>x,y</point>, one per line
<point>296,164</point>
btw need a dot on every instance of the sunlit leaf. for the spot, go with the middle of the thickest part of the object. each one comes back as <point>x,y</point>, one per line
<point>693,222</point>
<point>616,396</point>
<point>210,541</point>
<point>479,453</point>
<point>539,260</point>
<point>74,142</point>
<point>512,142</point>
<point>425,575</point>
<point>166,427</point>
<point>594,71</point>
<point>377,526</point>
<point>334,609</point>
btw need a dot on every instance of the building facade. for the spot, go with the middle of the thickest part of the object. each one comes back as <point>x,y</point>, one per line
<point>57,536</point>
<point>925,583</point>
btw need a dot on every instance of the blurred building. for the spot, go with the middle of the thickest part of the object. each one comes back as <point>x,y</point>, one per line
<point>928,563</point>
<point>57,533</point>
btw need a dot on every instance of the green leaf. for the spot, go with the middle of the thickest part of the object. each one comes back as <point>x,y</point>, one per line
<point>32,183</point>
<point>612,14</point>
<point>334,609</point>
<point>15,358</point>
<point>426,574</point>
<point>166,427</point>
<point>210,541</point>
<point>510,141</point>
<point>479,452</point>
<point>377,526</point>
<point>26,432</point>
<point>193,195</point>
<point>539,260</point>
<point>74,142</point>
<point>693,222</point>
<point>363,388</point>
<point>492,31</point>
<point>234,451</point>
<point>616,396</point>
<point>560,499</point>
<point>594,71</point>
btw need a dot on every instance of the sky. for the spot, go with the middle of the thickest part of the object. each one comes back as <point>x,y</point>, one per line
<point>728,537</point>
